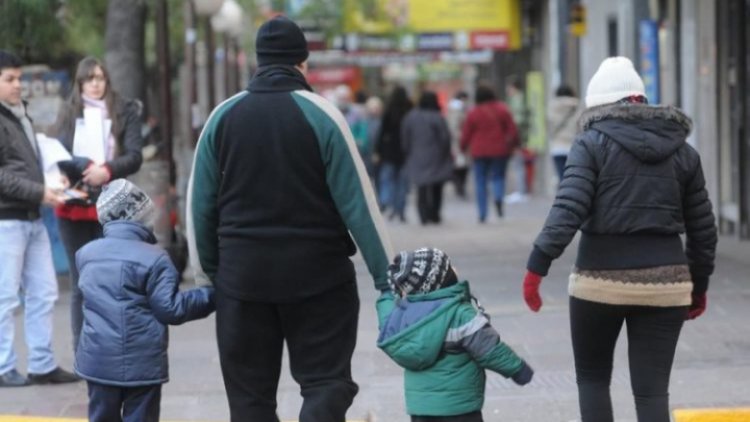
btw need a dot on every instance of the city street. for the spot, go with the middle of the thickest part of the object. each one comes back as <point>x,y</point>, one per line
<point>711,369</point>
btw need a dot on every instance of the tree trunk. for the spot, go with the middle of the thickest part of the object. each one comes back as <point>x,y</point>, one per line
<point>124,46</point>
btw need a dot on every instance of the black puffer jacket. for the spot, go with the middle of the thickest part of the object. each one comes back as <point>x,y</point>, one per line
<point>632,185</point>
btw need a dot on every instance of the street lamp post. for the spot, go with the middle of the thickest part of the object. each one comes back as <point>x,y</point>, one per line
<point>229,21</point>
<point>204,9</point>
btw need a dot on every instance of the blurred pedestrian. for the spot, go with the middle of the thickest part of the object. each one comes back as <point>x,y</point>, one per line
<point>77,219</point>
<point>276,189</point>
<point>389,155</point>
<point>561,121</point>
<point>374,118</point>
<point>433,327</point>
<point>457,109</point>
<point>490,135</point>
<point>426,142</point>
<point>25,254</point>
<point>522,161</point>
<point>632,185</point>
<point>130,294</point>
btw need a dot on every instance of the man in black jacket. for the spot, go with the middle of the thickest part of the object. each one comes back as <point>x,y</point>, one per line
<point>25,254</point>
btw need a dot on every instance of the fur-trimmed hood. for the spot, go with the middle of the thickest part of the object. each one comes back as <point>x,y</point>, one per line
<point>651,133</point>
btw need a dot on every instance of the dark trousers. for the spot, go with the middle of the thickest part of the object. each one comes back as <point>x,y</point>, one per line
<point>459,180</point>
<point>124,404</point>
<point>74,235</point>
<point>320,333</point>
<point>429,202</point>
<point>652,340</point>
<point>466,417</point>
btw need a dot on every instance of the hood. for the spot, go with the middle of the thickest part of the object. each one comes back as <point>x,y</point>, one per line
<point>129,230</point>
<point>278,78</point>
<point>415,331</point>
<point>650,133</point>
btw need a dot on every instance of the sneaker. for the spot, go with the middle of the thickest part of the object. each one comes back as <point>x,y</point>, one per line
<point>13,379</point>
<point>56,376</point>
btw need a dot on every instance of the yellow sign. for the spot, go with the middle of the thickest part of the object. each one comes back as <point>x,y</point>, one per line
<point>578,20</point>
<point>434,16</point>
<point>463,15</point>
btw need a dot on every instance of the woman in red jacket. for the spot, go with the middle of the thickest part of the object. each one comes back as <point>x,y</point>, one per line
<point>490,135</point>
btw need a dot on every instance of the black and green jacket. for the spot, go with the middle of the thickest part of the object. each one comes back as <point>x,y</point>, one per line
<point>276,189</point>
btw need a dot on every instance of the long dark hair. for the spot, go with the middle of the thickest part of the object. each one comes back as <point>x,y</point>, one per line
<point>398,105</point>
<point>429,101</point>
<point>83,73</point>
<point>484,94</point>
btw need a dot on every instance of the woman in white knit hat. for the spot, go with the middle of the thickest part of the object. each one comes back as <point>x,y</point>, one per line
<point>632,186</point>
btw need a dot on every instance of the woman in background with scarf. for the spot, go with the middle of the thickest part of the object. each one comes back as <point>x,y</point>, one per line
<point>77,219</point>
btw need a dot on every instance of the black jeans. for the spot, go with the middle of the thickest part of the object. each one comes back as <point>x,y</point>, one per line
<point>429,202</point>
<point>74,235</point>
<point>652,340</point>
<point>320,333</point>
<point>124,404</point>
<point>466,417</point>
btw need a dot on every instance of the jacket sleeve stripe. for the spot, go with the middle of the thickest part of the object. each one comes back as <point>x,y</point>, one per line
<point>202,214</point>
<point>349,183</point>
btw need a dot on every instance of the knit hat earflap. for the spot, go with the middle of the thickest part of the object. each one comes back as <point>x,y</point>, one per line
<point>615,79</point>
<point>421,271</point>
<point>122,200</point>
<point>280,41</point>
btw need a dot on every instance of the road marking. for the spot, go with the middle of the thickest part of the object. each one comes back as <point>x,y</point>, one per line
<point>712,415</point>
<point>14,418</point>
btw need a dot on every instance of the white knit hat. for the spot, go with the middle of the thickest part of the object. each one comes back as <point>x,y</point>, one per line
<point>615,79</point>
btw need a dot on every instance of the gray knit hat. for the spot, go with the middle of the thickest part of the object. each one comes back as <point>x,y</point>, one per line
<point>122,200</point>
<point>421,271</point>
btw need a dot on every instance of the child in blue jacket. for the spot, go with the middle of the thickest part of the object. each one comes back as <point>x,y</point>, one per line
<point>130,295</point>
<point>431,325</point>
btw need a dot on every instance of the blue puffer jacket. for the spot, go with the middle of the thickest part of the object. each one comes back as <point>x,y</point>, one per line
<point>130,292</point>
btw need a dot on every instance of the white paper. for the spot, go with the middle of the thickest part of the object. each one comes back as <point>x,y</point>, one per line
<point>91,134</point>
<point>51,151</point>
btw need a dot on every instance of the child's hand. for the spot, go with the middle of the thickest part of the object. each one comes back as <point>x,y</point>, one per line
<point>524,375</point>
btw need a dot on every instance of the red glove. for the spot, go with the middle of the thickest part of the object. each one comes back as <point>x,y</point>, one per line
<point>698,306</point>
<point>531,290</point>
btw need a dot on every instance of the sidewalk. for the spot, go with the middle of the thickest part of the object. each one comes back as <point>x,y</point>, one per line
<point>710,371</point>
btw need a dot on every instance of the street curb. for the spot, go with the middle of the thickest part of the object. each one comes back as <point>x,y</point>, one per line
<point>20,418</point>
<point>712,415</point>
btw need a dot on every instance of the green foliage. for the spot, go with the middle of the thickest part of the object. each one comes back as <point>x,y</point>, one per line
<point>85,23</point>
<point>327,14</point>
<point>30,28</point>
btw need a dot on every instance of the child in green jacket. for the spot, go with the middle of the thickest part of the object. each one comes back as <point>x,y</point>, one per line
<point>431,325</point>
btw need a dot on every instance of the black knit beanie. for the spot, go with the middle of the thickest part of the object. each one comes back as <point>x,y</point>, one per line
<point>421,271</point>
<point>280,41</point>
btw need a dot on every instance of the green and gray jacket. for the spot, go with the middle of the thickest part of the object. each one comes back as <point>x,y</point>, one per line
<point>277,192</point>
<point>444,343</point>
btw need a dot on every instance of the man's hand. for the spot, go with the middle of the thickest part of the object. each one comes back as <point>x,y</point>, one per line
<point>53,198</point>
<point>96,175</point>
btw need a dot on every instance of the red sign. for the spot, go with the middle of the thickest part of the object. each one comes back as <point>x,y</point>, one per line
<point>332,75</point>
<point>493,40</point>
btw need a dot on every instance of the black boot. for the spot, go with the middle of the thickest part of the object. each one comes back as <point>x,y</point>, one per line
<point>499,208</point>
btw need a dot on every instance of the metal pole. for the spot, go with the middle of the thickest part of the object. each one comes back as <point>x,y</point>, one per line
<point>190,72</point>
<point>165,94</point>
<point>210,62</point>
<point>228,85</point>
